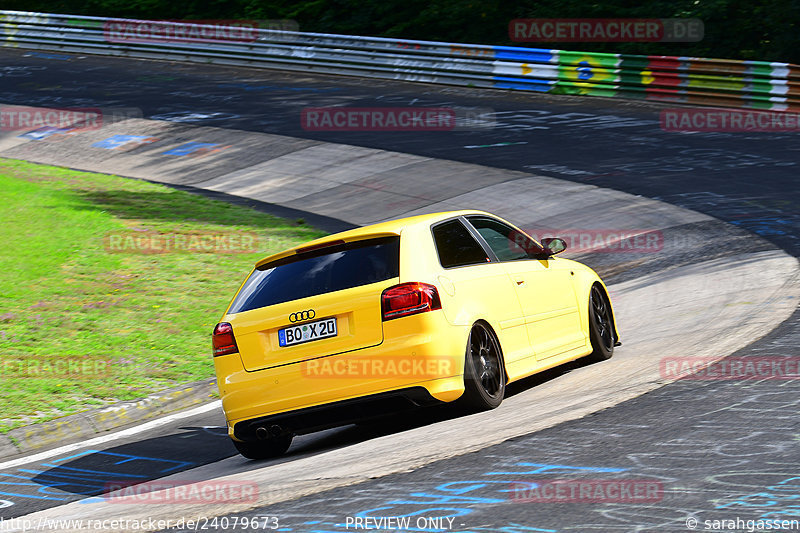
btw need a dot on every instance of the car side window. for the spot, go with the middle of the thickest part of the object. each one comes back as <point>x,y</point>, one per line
<point>507,243</point>
<point>456,246</point>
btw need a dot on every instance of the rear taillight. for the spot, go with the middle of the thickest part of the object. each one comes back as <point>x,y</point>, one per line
<point>409,299</point>
<point>222,340</point>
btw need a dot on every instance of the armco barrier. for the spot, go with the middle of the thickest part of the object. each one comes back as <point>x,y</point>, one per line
<point>685,80</point>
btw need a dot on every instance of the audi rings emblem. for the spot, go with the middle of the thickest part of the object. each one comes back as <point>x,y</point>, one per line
<point>302,315</point>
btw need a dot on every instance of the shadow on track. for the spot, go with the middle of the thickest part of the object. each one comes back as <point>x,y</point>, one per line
<point>91,472</point>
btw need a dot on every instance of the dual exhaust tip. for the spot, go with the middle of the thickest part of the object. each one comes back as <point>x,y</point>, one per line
<point>269,432</point>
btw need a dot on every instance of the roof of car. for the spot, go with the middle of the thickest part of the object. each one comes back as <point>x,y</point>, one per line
<point>389,227</point>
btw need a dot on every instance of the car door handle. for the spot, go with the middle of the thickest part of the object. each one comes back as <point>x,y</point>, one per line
<point>520,282</point>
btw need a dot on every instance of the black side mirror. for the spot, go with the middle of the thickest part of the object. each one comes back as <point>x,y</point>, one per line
<point>553,246</point>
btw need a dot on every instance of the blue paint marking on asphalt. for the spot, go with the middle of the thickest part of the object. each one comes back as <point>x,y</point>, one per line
<point>452,502</point>
<point>449,512</point>
<point>189,148</point>
<point>444,487</point>
<point>443,499</point>
<point>43,133</point>
<point>59,478</point>
<point>42,486</point>
<point>38,486</point>
<point>776,502</point>
<point>542,468</point>
<point>127,458</point>
<point>56,471</point>
<point>115,141</point>
<point>48,56</point>
<point>52,476</point>
<point>13,494</point>
<point>765,225</point>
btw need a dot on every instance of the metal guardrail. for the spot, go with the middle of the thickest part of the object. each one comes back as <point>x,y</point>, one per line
<point>684,80</point>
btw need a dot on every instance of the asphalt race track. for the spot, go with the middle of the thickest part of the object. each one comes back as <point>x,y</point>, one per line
<point>717,449</point>
<point>604,142</point>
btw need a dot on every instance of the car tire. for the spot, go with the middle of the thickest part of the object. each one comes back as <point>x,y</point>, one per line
<point>266,449</point>
<point>601,326</point>
<point>484,374</point>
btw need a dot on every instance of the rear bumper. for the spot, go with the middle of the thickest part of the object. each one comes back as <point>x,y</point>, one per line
<point>338,413</point>
<point>420,361</point>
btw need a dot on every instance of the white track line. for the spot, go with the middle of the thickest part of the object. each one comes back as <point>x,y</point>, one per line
<point>112,436</point>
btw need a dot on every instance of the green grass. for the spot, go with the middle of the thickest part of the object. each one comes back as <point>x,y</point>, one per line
<point>65,297</point>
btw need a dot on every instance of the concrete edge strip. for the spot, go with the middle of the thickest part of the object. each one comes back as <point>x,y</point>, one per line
<point>86,424</point>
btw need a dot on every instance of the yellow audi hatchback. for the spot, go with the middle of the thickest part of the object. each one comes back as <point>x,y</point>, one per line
<point>398,315</point>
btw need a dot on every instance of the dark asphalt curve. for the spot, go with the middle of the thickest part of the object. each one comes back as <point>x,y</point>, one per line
<point>748,179</point>
<point>719,449</point>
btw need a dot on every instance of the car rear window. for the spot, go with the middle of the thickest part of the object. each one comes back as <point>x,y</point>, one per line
<point>324,270</point>
<point>456,246</point>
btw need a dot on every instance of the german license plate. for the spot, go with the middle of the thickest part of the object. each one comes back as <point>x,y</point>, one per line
<point>310,331</point>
